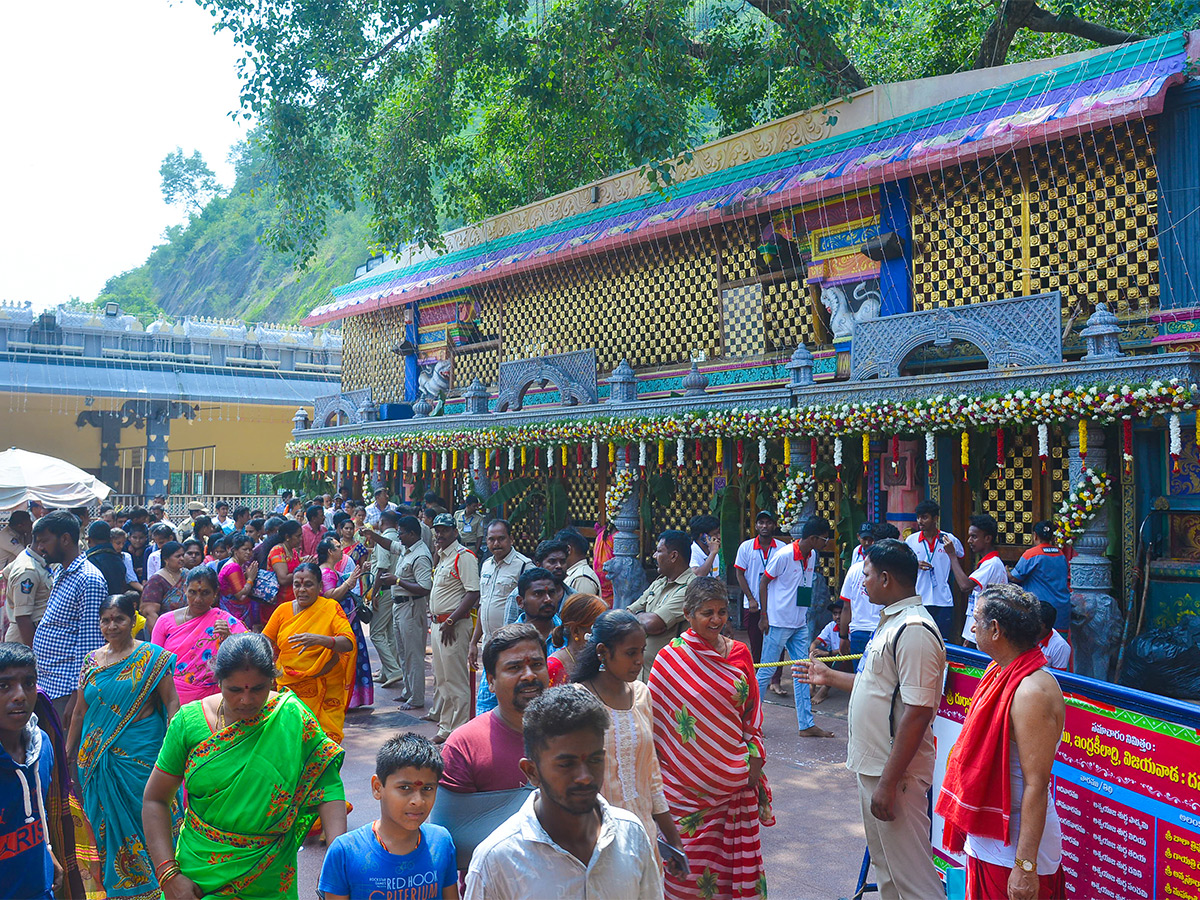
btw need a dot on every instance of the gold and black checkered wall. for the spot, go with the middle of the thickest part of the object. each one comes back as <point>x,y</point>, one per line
<point>967,234</point>
<point>367,360</point>
<point>652,304</point>
<point>1079,215</point>
<point>470,363</point>
<point>1008,492</point>
<point>1094,218</point>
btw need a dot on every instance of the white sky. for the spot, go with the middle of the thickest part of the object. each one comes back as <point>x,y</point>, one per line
<point>95,94</point>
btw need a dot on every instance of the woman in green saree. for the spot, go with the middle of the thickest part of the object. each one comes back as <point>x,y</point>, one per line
<point>258,770</point>
<point>126,697</point>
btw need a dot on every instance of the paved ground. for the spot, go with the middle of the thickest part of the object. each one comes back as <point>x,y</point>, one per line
<point>812,853</point>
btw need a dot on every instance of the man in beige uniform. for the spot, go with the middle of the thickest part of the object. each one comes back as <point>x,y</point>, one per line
<point>411,582</point>
<point>660,608</point>
<point>27,583</point>
<point>383,627</point>
<point>581,578</point>
<point>893,699</point>
<point>455,593</point>
<point>15,536</point>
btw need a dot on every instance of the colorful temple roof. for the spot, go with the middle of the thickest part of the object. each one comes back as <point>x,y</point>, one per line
<point>1125,82</point>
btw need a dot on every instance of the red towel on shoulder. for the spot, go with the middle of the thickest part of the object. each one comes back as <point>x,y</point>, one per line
<point>976,792</point>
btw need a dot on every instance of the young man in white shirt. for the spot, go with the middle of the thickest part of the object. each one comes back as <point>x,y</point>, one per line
<point>498,577</point>
<point>981,538</point>
<point>787,585</point>
<point>933,564</point>
<point>566,841</point>
<point>1054,646</point>
<point>705,532</point>
<point>748,566</point>
<point>859,614</point>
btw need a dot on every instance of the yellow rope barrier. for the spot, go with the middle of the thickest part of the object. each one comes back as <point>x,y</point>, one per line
<point>824,659</point>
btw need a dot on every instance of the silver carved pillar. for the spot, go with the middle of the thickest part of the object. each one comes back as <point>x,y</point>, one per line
<point>625,570</point>
<point>1095,618</point>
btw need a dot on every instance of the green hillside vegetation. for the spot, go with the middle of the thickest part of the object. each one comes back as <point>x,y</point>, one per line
<point>217,264</point>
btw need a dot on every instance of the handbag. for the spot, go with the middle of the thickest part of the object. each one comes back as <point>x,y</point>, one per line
<point>364,612</point>
<point>266,585</point>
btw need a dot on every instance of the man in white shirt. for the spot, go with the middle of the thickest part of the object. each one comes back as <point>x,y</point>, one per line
<point>1054,646</point>
<point>866,537</point>
<point>787,584</point>
<point>981,538</point>
<point>566,841</point>
<point>933,564</point>
<point>859,614</point>
<point>581,578</point>
<point>748,566</point>
<point>705,532</point>
<point>498,578</point>
<point>376,509</point>
<point>160,533</point>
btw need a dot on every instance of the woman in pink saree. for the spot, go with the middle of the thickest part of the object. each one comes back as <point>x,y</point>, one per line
<point>193,633</point>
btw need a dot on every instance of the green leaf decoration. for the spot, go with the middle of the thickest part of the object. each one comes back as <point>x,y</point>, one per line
<point>691,823</point>
<point>741,691</point>
<point>706,884</point>
<point>760,886</point>
<point>685,724</point>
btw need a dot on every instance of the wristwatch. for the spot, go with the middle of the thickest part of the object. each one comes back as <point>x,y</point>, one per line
<point>1027,865</point>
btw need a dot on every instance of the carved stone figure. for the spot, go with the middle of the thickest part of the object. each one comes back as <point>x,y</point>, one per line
<point>628,579</point>
<point>1095,631</point>
<point>842,318</point>
<point>434,379</point>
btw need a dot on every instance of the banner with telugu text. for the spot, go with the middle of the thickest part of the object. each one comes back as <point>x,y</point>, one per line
<point>1126,783</point>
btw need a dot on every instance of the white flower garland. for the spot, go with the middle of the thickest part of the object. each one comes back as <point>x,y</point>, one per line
<point>1176,435</point>
<point>1081,506</point>
<point>642,454</point>
<point>512,459</point>
<point>837,453</point>
<point>595,455</point>
<point>930,447</point>
<point>793,495</point>
<point>762,451</point>
<point>680,459</point>
<point>619,490</point>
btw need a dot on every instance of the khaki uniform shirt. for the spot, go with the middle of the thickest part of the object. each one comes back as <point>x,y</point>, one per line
<point>456,575</point>
<point>412,564</point>
<point>582,579</point>
<point>665,599</point>
<point>496,581</point>
<point>917,666</point>
<point>27,584</point>
<point>470,528</point>
<point>11,545</point>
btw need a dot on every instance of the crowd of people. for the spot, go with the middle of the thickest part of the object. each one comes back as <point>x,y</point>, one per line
<point>174,699</point>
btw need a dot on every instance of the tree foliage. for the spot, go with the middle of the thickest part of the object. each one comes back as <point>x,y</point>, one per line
<point>442,112</point>
<point>187,181</point>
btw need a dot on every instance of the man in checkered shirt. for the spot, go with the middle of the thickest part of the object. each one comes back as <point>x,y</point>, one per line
<point>70,628</point>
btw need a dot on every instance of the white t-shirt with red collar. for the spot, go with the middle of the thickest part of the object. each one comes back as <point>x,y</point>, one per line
<point>1056,650</point>
<point>864,615</point>
<point>787,572</point>
<point>751,559</point>
<point>990,570</point>
<point>934,584</point>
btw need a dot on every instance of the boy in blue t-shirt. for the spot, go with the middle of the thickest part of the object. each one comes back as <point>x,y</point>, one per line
<point>397,856</point>
<point>27,865</point>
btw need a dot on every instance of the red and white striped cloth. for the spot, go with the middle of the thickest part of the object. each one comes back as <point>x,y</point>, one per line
<point>707,725</point>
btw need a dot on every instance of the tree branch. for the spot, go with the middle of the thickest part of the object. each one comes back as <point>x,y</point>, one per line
<point>1013,15</point>
<point>827,55</point>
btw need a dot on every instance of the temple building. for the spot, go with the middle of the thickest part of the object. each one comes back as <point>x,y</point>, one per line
<point>976,289</point>
<point>193,408</point>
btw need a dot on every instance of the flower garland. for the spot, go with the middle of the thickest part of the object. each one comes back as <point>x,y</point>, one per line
<point>1081,506</point>
<point>619,490</point>
<point>794,493</point>
<point>942,413</point>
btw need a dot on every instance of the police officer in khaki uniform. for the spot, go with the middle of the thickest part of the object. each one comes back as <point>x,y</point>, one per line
<point>455,593</point>
<point>893,700</point>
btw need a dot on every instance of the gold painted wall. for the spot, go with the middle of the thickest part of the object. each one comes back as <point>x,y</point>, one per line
<point>1079,215</point>
<point>44,424</point>
<point>367,360</point>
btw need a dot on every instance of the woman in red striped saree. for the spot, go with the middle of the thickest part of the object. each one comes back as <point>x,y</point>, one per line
<point>708,731</point>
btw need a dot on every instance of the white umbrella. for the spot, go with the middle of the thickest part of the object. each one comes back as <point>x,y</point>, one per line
<point>55,483</point>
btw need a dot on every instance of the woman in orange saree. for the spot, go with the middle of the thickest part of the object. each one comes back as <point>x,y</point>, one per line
<point>315,650</point>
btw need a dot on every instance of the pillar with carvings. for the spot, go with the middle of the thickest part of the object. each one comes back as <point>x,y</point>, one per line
<point>624,569</point>
<point>1095,616</point>
<point>801,461</point>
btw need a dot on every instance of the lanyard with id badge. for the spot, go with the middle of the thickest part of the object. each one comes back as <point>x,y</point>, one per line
<point>803,592</point>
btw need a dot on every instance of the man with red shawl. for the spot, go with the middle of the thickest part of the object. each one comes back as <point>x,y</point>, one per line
<point>996,794</point>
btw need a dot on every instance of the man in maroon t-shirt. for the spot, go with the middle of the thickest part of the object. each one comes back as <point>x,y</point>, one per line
<point>485,753</point>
